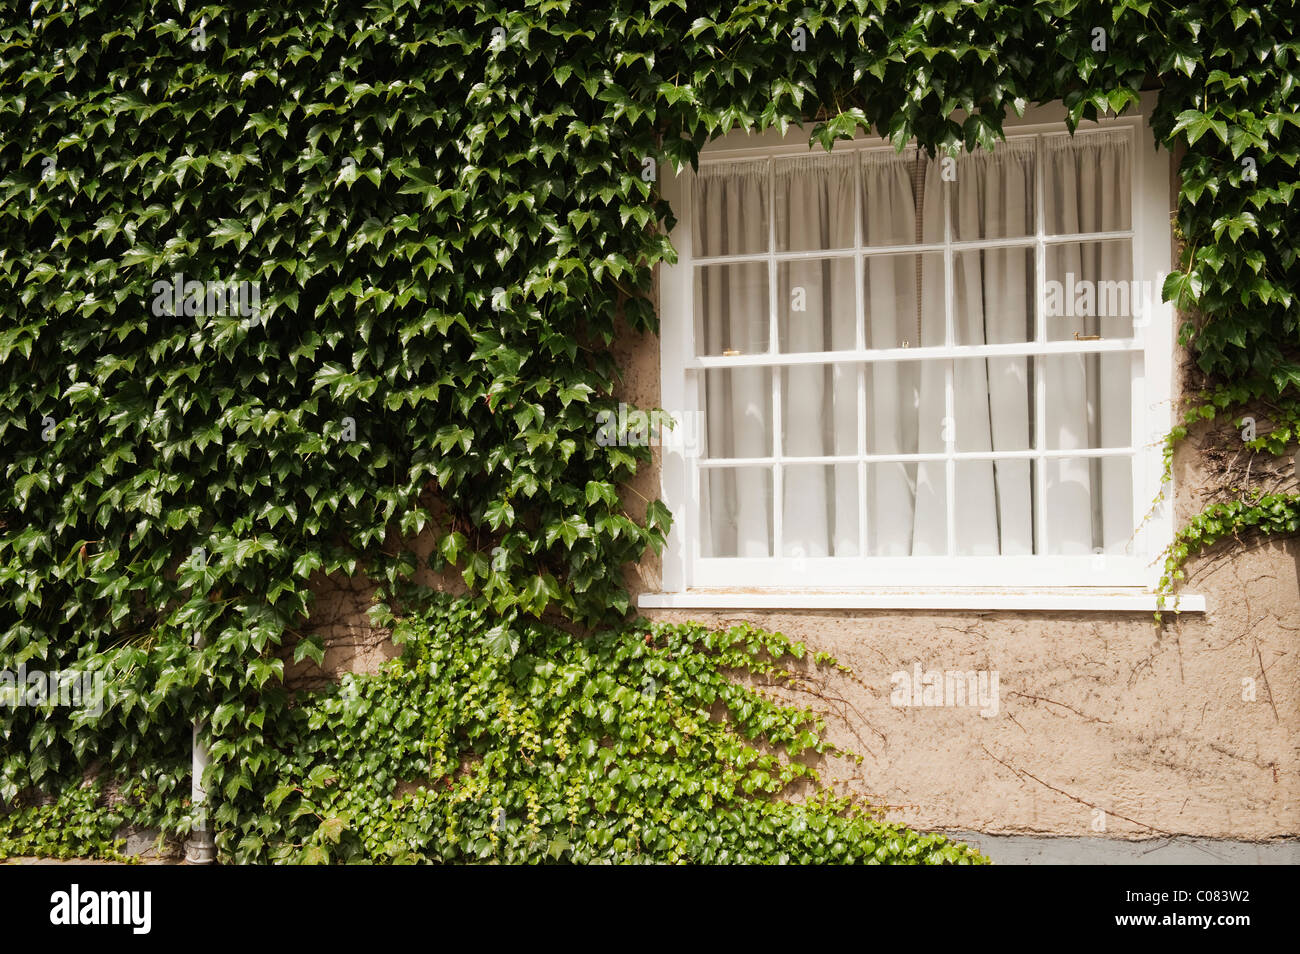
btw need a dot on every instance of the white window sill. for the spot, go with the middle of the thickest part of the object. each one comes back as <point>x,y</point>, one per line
<point>1121,600</point>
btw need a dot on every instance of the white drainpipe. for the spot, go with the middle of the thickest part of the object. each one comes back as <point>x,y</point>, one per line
<point>200,849</point>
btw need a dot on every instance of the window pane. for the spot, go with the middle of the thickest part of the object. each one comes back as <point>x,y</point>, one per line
<point>820,516</point>
<point>819,410</point>
<point>904,300</point>
<point>993,404</point>
<point>731,309</point>
<point>930,536</point>
<point>993,296</point>
<point>1086,183</point>
<point>893,197</point>
<point>893,406</point>
<point>994,507</point>
<point>1089,505</point>
<point>1090,290</point>
<point>738,412</point>
<point>736,512</point>
<point>814,202</point>
<point>816,308</point>
<point>731,208</point>
<point>991,195</point>
<point>809,204</point>
<point>907,509</point>
<point>1089,401</point>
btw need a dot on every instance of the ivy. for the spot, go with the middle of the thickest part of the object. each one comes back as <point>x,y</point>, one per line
<point>529,744</point>
<point>1253,511</point>
<point>440,218</point>
<point>1256,512</point>
<point>78,824</point>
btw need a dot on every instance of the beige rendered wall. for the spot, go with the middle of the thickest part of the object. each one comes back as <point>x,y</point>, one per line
<point>1098,712</point>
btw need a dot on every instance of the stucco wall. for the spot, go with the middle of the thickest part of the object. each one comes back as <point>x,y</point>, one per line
<point>1097,712</point>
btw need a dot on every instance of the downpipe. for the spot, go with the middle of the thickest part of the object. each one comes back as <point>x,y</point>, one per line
<point>200,849</point>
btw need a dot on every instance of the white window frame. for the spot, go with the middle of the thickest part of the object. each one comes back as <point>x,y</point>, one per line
<point>1098,581</point>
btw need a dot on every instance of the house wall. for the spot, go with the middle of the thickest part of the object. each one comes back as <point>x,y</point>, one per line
<point>1107,725</point>
<point>1098,712</point>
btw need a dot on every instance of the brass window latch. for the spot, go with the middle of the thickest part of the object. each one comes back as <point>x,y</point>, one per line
<point>730,353</point>
<point>1079,337</point>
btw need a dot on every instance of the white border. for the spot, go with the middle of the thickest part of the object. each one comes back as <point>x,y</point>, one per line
<point>1114,583</point>
<point>1120,601</point>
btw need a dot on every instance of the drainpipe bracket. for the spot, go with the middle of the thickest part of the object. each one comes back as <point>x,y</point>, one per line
<point>200,849</point>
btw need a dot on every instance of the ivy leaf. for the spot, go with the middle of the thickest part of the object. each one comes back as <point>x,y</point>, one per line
<point>321,775</point>
<point>658,516</point>
<point>332,828</point>
<point>451,545</point>
<point>499,513</point>
<point>278,795</point>
<point>307,563</point>
<point>501,641</point>
<point>1181,288</point>
<point>1196,124</point>
<point>309,647</point>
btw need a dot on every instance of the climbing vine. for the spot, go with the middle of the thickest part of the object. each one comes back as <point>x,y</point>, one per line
<point>283,291</point>
<point>532,744</point>
<point>525,743</point>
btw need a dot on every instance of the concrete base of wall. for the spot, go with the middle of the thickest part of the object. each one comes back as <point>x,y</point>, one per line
<point>144,843</point>
<point>1034,850</point>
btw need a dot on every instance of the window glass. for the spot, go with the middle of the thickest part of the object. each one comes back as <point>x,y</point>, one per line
<point>861,454</point>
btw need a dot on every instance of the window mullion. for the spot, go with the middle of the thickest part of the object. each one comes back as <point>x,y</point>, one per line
<point>885,251</point>
<point>1040,335</point>
<point>712,463</point>
<point>949,402</point>
<point>773,331</point>
<point>1139,402</point>
<point>909,354</point>
<point>860,342</point>
<point>778,469</point>
<point>691,387</point>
